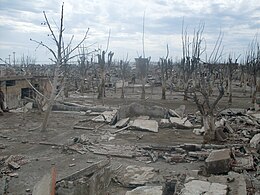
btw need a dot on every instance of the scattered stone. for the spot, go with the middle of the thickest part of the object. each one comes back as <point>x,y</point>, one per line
<point>230,129</point>
<point>197,187</point>
<point>122,123</point>
<point>200,155</point>
<point>146,190</point>
<point>13,175</point>
<point>106,116</point>
<point>99,118</point>
<point>13,165</point>
<point>232,111</point>
<point>84,139</point>
<point>176,158</point>
<point>148,125</point>
<point>173,113</point>
<point>107,136</point>
<point>28,190</point>
<point>180,150</point>
<point>191,147</point>
<point>220,134</point>
<point>255,141</point>
<point>181,123</point>
<point>218,161</point>
<point>29,105</point>
<point>2,146</point>
<point>220,123</point>
<point>200,131</point>
<point>239,187</point>
<point>165,123</point>
<point>153,155</point>
<point>134,176</point>
<point>72,165</point>
<point>243,163</point>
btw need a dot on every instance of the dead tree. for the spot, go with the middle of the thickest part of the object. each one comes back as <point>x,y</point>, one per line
<point>207,107</point>
<point>253,66</point>
<point>142,65</point>
<point>231,68</point>
<point>201,89</point>
<point>61,57</point>
<point>164,75</point>
<point>191,52</point>
<point>102,65</point>
<point>123,69</point>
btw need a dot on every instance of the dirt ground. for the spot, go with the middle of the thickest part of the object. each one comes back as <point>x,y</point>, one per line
<point>18,137</point>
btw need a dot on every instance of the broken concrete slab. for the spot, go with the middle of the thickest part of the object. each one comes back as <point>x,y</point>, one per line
<point>99,118</point>
<point>173,113</point>
<point>44,186</point>
<point>200,155</point>
<point>232,111</point>
<point>135,176</point>
<point>243,163</point>
<point>106,116</point>
<point>91,180</point>
<point>143,117</point>
<point>114,150</point>
<point>255,141</point>
<point>199,131</point>
<point>122,123</point>
<point>146,190</point>
<point>218,161</point>
<point>181,110</point>
<point>165,123</point>
<point>181,123</point>
<point>239,187</point>
<point>198,187</point>
<point>13,165</point>
<point>148,125</point>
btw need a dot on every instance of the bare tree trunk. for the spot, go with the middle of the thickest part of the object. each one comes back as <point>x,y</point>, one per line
<point>210,128</point>
<point>229,90</point>
<point>152,85</point>
<point>52,98</point>
<point>143,88</point>
<point>123,90</point>
<point>186,88</point>
<point>163,89</point>
<point>66,88</point>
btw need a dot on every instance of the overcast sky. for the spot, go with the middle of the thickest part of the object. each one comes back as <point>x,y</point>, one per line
<point>21,20</point>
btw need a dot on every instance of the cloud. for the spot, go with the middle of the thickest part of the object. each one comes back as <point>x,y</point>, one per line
<point>239,20</point>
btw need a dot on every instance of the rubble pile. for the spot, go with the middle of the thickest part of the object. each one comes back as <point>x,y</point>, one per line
<point>9,164</point>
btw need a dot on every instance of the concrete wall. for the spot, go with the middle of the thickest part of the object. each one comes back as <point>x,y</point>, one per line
<point>13,94</point>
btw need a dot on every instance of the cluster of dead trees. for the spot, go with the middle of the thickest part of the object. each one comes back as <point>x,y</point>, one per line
<point>198,78</point>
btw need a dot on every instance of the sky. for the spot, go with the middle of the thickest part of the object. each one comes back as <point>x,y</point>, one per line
<point>21,20</point>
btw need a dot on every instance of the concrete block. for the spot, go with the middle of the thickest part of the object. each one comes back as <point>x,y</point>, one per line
<point>181,123</point>
<point>255,141</point>
<point>13,165</point>
<point>146,190</point>
<point>148,125</point>
<point>218,161</point>
<point>197,187</point>
<point>122,123</point>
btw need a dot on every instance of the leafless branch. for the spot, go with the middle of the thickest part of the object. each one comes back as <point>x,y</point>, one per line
<point>49,26</point>
<point>42,44</point>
